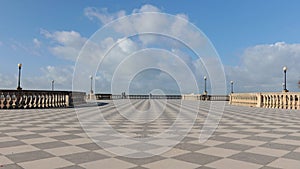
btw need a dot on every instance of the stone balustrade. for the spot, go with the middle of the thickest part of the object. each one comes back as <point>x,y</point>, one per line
<point>137,96</point>
<point>282,100</point>
<point>183,97</point>
<point>18,99</point>
<point>205,97</point>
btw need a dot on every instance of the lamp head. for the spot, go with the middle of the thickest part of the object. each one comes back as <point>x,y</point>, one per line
<point>91,77</point>
<point>20,65</point>
<point>231,82</point>
<point>284,68</point>
<point>205,77</point>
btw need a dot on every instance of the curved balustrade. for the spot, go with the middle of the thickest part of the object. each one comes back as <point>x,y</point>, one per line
<point>289,100</point>
<point>11,99</point>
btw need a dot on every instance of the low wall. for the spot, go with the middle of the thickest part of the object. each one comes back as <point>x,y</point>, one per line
<point>18,99</point>
<point>205,97</point>
<point>282,100</point>
<point>183,97</point>
<point>145,97</point>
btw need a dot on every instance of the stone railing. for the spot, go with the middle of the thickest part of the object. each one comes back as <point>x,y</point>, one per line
<point>282,100</point>
<point>140,97</point>
<point>18,99</point>
<point>183,97</point>
<point>205,97</point>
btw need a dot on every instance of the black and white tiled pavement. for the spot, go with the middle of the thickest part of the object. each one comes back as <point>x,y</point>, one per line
<point>247,138</point>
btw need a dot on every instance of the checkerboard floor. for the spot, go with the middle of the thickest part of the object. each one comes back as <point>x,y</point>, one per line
<point>247,138</point>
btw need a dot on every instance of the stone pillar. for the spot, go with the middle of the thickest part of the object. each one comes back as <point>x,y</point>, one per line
<point>2,101</point>
<point>67,100</point>
<point>259,100</point>
<point>298,104</point>
<point>293,101</point>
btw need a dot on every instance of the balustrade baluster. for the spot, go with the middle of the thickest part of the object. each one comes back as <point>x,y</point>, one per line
<point>55,101</point>
<point>8,101</point>
<point>51,100</point>
<point>43,100</point>
<point>2,99</point>
<point>14,100</point>
<point>33,100</point>
<point>25,97</point>
<point>21,100</point>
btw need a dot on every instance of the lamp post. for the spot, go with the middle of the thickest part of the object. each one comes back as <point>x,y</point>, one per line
<point>19,79</point>
<point>91,77</point>
<point>231,83</point>
<point>205,78</point>
<point>284,86</point>
<point>52,85</point>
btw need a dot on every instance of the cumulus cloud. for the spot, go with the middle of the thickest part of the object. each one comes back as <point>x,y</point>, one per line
<point>102,14</point>
<point>67,44</point>
<point>62,76</point>
<point>261,67</point>
<point>102,56</point>
<point>146,8</point>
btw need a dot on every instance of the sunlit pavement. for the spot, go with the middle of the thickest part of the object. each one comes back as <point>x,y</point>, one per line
<point>247,138</point>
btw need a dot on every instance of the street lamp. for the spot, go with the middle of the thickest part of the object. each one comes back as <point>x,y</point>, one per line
<point>231,82</point>
<point>205,78</point>
<point>52,85</point>
<point>284,86</point>
<point>91,77</point>
<point>19,79</point>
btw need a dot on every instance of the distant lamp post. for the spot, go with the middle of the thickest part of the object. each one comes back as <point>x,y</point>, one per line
<point>231,83</point>
<point>205,91</point>
<point>284,83</point>
<point>19,79</point>
<point>91,77</point>
<point>52,85</point>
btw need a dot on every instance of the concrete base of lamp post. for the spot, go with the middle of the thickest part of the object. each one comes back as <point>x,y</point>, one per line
<point>91,96</point>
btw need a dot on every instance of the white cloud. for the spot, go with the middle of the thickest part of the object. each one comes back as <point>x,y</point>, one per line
<point>28,48</point>
<point>62,77</point>
<point>163,24</point>
<point>7,82</point>
<point>67,43</point>
<point>36,43</point>
<point>127,45</point>
<point>146,8</point>
<point>261,68</point>
<point>102,15</point>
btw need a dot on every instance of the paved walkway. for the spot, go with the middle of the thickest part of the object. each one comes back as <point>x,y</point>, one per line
<point>246,138</point>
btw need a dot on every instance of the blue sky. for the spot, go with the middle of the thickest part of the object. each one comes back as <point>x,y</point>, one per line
<point>243,33</point>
